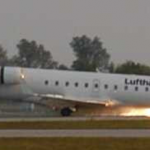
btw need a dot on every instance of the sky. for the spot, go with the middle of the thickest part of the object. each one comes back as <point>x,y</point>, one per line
<point>122,25</point>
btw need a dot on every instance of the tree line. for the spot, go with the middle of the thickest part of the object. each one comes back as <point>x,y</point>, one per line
<point>90,55</point>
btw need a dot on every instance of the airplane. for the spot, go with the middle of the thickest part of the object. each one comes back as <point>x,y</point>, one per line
<point>69,91</point>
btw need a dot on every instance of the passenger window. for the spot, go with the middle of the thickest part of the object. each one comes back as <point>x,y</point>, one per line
<point>106,86</point>
<point>146,89</point>
<point>67,83</point>
<point>46,82</point>
<point>126,88</point>
<point>56,83</point>
<point>136,88</point>
<point>86,85</point>
<point>115,87</point>
<point>96,85</point>
<point>76,84</point>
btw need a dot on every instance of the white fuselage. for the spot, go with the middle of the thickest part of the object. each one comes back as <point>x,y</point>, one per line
<point>82,86</point>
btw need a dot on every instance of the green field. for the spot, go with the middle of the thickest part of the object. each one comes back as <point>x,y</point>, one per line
<point>74,143</point>
<point>90,124</point>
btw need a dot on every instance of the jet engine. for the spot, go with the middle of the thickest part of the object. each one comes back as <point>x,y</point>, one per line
<point>11,75</point>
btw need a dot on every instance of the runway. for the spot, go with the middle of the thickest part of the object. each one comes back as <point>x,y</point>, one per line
<point>75,133</point>
<point>18,119</point>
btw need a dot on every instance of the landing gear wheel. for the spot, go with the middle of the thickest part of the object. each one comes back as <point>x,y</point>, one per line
<point>66,112</point>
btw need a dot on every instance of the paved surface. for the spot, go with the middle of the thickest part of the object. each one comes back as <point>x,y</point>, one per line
<point>75,133</point>
<point>72,118</point>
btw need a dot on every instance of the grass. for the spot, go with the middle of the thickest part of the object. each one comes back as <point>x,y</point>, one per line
<point>93,124</point>
<point>74,143</point>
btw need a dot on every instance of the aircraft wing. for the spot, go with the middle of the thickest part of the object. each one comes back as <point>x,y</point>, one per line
<point>59,101</point>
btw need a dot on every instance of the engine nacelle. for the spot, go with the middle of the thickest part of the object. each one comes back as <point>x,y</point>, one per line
<point>11,75</point>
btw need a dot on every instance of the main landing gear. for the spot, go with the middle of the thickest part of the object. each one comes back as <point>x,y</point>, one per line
<point>66,112</point>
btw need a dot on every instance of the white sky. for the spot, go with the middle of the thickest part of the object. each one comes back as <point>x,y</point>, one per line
<point>122,25</point>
